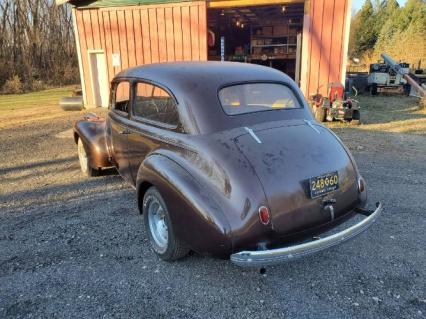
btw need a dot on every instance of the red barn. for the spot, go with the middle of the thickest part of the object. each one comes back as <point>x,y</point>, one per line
<point>307,39</point>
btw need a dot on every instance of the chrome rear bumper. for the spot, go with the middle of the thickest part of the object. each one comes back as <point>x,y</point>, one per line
<point>261,258</point>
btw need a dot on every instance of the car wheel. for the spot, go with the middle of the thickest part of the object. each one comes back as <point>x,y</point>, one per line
<point>407,89</point>
<point>356,118</point>
<point>160,229</point>
<point>373,89</point>
<point>84,160</point>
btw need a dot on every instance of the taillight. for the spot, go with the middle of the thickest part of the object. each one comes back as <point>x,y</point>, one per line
<point>264,215</point>
<point>361,185</point>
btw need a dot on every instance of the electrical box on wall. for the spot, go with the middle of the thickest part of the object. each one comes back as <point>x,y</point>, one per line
<point>116,59</point>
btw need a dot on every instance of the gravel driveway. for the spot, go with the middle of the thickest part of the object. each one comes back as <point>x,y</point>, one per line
<point>75,247</point>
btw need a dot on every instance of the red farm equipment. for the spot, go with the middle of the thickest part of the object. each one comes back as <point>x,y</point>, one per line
<point>335,106</point>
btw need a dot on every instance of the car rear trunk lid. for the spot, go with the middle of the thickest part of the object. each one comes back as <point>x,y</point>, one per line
<point>284,158</point>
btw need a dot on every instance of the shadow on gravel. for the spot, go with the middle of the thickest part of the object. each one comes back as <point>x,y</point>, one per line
<point>38,164</point>
<point>32,167</point>
<point>61,192</point>
<point>108,171</point>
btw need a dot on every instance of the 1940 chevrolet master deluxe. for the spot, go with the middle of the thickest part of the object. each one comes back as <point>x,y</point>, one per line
<point>227,160</point>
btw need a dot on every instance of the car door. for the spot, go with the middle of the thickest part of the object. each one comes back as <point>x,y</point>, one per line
<point>155,120</point>
<point>118,118</point>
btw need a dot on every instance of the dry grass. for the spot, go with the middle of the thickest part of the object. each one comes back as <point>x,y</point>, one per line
<point>11,102</point>
<point>19,109</point>
<point>391,124</point>
<point>389,113</point>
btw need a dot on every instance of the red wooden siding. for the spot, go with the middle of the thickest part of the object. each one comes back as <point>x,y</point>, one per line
<point>323,44</point>
<point>141,35</point>
<point>177,32</point>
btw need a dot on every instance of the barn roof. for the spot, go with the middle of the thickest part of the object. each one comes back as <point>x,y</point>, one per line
<point>111,3</point>
<point>118,3</point>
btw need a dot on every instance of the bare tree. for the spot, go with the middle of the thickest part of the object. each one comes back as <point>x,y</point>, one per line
<point>37,43</point>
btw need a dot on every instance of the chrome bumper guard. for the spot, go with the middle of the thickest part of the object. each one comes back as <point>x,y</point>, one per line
<point>261,258</point>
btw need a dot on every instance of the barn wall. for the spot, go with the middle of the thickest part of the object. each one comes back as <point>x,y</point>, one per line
<point>141,35</point>
<point>177,32</point>
<point>325,41</point>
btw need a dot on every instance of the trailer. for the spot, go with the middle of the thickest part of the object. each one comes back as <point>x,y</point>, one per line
<point>382,78</point>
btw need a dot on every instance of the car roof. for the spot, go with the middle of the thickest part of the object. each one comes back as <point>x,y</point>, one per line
<point>196,86</point>
<point>218,73</point>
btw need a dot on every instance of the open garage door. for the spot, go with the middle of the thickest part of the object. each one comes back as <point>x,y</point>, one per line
<point>268,34</point>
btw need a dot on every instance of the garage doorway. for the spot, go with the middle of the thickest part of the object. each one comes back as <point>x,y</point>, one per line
<point>99,77</point>
<point>269,35</point>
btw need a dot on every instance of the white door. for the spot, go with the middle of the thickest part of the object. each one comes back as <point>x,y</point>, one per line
<point>98,69</point>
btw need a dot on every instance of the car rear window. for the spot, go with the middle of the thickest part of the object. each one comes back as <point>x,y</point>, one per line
<point>256,97</point>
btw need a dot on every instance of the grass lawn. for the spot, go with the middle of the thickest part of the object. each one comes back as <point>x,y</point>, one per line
<point>389,113</point>
<point>19,109</point>
<point>48,97</point>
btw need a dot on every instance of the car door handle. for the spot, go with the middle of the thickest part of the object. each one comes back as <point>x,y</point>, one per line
<point>125,132</point>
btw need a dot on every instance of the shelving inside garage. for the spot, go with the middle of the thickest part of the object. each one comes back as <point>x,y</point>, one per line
<point>266,35</point>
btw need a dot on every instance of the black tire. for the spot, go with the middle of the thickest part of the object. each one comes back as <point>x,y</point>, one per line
<point>174,248</point>
<point>85,166</point>
<point>320,114</point>
<point>373,89</point>
<point>356,118</point>
<point>407,89</point>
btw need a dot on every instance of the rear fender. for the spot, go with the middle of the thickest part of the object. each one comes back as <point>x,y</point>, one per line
<point>91,130</point>
<point>196,217</point>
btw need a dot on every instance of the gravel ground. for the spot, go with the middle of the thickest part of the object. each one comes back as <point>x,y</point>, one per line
<point>75,247</point>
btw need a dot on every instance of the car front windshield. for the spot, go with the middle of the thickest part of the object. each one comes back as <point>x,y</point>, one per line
<point>256,97</point>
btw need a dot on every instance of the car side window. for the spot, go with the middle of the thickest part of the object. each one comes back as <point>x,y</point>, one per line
<point>153,103</point>
<point>121,100</point>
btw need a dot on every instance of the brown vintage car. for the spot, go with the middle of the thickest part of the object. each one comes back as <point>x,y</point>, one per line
<point>227,160</point>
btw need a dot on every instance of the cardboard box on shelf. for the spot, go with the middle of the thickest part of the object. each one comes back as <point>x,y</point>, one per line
<point>280,30</point>
<point>257,42</point>
<point>266,30</point>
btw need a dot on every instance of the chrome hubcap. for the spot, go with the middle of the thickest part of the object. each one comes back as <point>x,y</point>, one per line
<point>157,224</point>
<point>82,156</point>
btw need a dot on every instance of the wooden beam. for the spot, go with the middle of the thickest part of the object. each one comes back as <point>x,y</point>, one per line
<point>248,3</point>
<point>80,61</point>
<point>346,40</point>
<point>306,48</point>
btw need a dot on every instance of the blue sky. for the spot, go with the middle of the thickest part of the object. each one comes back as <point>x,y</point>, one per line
<point>356,4</point>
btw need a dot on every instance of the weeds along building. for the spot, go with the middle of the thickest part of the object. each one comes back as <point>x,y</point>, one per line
<point>307,39</point>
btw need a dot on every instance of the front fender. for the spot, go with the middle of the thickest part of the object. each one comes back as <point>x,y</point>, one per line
<point>91,130</point>
<point>196,216</point>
